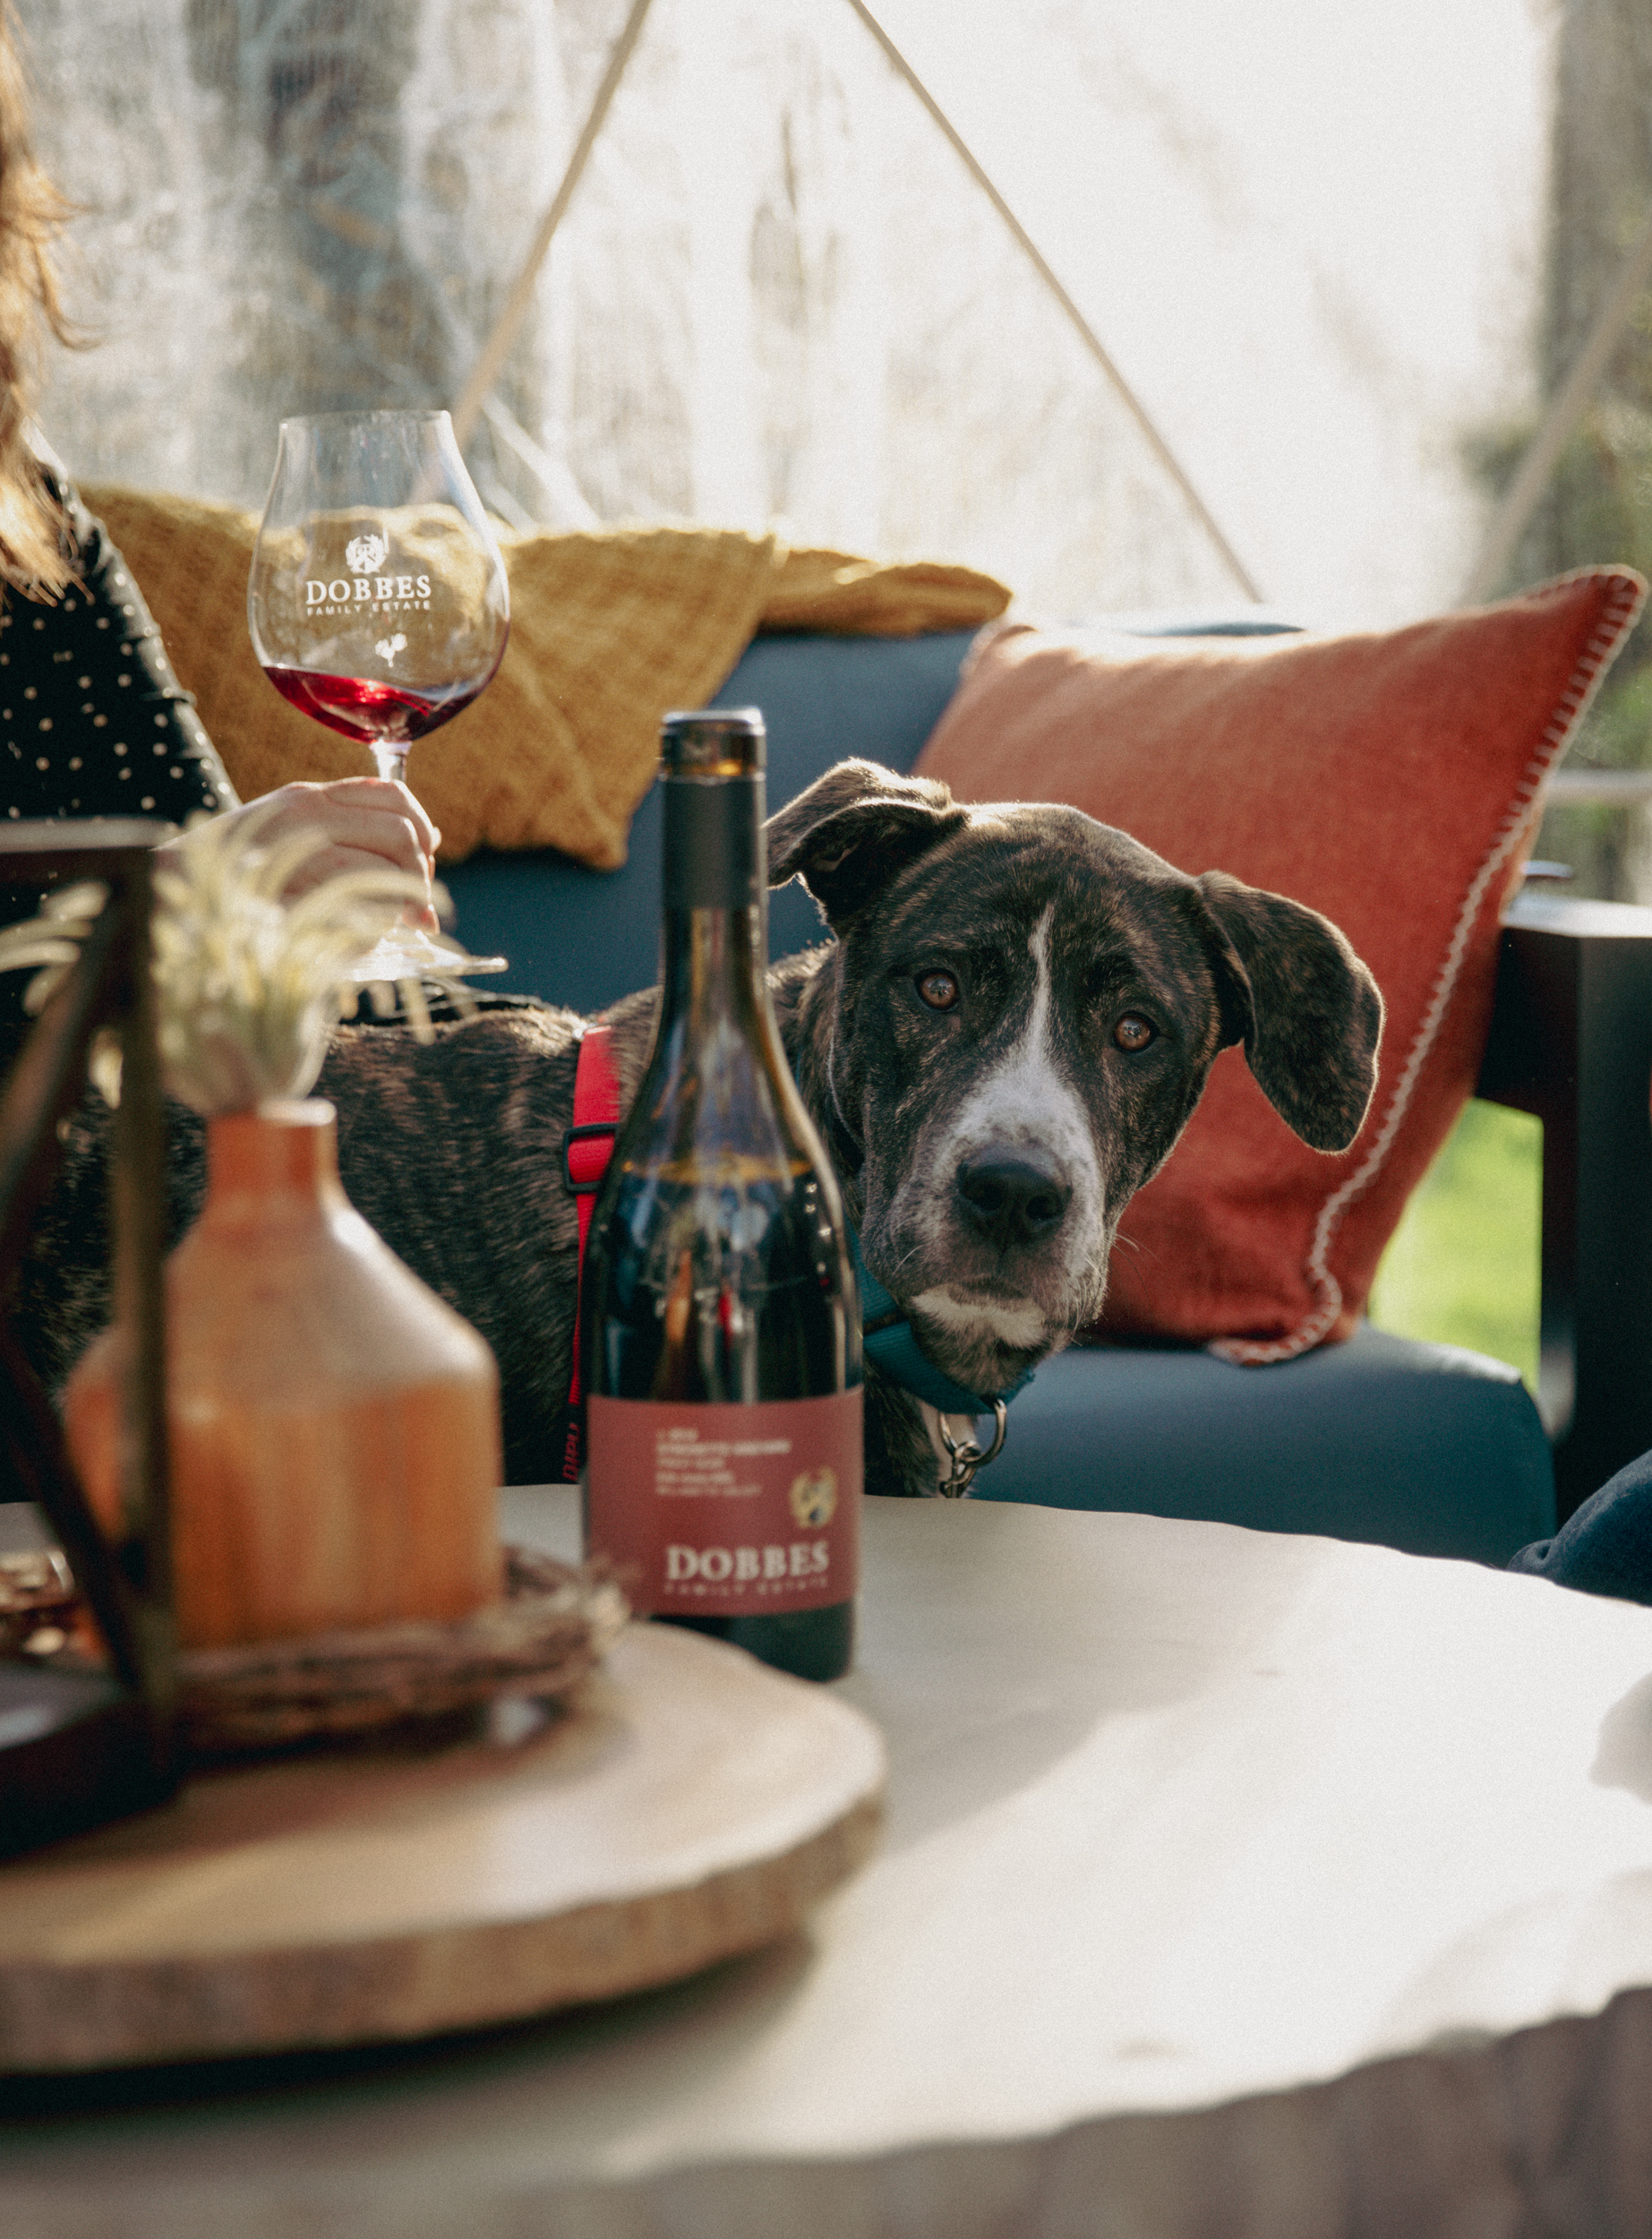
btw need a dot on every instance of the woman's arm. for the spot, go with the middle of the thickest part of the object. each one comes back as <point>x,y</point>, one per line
<point>93,722</point>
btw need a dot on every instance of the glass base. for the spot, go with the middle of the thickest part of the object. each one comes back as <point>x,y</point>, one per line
<point>410,954</point>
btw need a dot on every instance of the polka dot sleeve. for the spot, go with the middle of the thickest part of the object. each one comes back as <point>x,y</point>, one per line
<point>92,720</point>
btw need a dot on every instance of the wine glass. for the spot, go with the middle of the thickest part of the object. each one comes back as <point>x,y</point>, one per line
<point>377,601</point>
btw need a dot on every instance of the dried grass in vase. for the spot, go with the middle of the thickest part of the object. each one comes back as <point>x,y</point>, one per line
<point>248,986</point>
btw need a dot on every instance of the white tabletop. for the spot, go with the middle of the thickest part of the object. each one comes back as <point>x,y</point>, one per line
<point>1230,1881</point>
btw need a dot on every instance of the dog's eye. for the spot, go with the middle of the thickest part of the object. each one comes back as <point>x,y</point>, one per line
<point>1133,1032</point>
<point>939,989</point>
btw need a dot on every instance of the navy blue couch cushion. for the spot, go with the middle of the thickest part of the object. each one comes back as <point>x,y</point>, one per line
<point>1424,1447</point>
<point>586,937</point>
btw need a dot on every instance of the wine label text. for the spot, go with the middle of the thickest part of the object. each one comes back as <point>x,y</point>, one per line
<point>728,1510</point>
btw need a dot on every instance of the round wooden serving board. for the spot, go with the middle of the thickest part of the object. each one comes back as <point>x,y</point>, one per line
<point>690,1806</point>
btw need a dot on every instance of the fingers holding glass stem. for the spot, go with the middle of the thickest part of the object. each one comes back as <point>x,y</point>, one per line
<point>358,824</point>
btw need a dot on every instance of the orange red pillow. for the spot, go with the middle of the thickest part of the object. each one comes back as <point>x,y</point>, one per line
<point>1391,780</point>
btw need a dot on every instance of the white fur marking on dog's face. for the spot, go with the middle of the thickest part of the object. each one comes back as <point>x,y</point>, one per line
<point>1016,1322</point>
<point>1027,1101</point>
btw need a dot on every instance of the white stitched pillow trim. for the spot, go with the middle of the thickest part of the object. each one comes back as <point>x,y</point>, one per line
<point>1628,596</point>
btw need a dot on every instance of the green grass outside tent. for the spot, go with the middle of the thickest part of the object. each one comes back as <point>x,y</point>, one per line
<point>1462,1266</point>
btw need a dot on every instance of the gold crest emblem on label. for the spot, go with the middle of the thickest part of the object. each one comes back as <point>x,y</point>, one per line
<point>813,1498</point>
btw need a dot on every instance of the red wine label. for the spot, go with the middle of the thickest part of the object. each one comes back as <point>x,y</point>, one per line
<point>720,1511</point>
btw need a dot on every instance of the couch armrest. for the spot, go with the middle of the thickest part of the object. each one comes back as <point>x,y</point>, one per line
<point>1571,1042</point>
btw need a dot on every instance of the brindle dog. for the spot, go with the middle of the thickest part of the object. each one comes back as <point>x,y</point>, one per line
<point>1003,1042</point>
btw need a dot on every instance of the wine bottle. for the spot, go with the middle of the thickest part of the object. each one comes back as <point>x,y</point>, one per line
<point>720,1329</point>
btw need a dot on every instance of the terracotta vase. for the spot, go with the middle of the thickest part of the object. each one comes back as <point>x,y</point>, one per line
<point>333,1424</point>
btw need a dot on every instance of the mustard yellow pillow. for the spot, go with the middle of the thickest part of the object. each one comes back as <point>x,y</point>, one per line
<point>608,630</point>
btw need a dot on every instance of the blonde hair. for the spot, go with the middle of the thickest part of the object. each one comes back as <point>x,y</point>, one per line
<point>37,552</point>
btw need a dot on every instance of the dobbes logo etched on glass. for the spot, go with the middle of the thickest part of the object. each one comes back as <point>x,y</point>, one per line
<point>364,554</point>
<point>370,592</point>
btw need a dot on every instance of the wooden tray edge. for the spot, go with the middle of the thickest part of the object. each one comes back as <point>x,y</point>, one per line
<point>58,2019</point>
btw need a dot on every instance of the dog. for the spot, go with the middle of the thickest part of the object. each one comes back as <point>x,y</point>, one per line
<point>1003,1039</point>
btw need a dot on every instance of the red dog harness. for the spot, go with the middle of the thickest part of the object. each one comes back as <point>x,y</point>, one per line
<point>586,1149</point>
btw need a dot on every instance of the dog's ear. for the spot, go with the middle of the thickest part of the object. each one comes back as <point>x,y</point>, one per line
<point>1306,1007</point>
<point>852,830</point>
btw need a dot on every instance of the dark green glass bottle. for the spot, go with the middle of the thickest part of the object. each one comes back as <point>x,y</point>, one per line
<point>720,1330</point>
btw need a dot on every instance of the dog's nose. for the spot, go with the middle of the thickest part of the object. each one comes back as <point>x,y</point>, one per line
<point>1010,1197</point>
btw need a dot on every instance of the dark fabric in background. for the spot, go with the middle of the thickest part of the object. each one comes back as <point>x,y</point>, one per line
<point>1606,1546</point>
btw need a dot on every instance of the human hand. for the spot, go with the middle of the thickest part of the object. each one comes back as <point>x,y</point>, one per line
<point>364,823</point>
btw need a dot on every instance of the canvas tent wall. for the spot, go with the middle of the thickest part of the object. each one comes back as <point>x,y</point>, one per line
<point>776,292</point>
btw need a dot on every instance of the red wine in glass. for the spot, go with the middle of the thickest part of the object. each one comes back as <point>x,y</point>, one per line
<point>368,711</point>
<point>377,600</point>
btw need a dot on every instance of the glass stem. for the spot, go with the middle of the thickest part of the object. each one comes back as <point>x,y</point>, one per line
<point>392,761</point>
